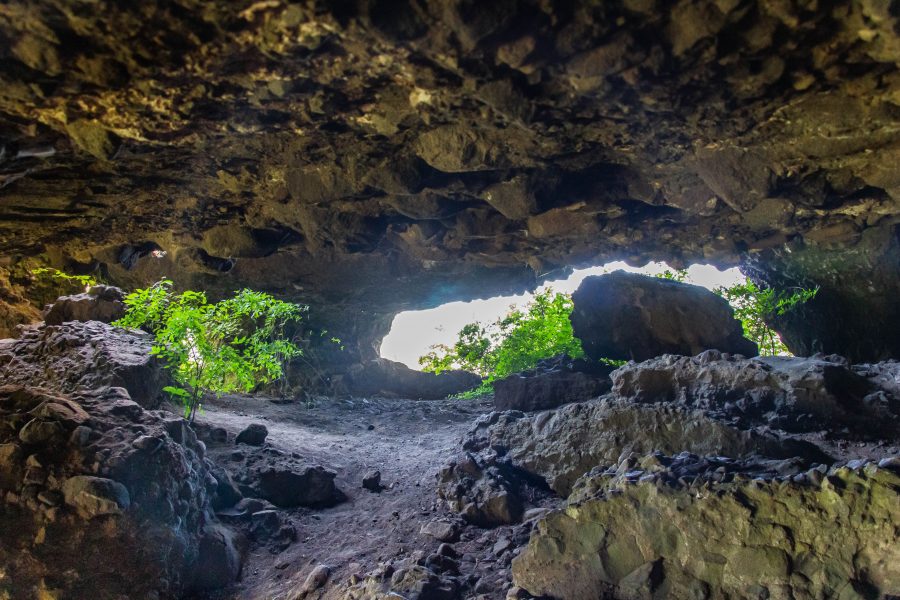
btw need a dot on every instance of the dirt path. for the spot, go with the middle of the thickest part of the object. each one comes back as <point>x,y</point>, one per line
<point>407,441</point>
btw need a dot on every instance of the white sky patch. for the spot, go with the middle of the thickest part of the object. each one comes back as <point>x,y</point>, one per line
<point>414,332</point>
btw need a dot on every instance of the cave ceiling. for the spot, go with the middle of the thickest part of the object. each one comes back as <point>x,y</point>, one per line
<point>391,154</point>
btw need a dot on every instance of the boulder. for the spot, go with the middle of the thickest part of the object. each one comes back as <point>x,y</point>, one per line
<point>111,473</point>
<point>304,486</point>
<point>486,491</point>
<point>391,379</point>
<point>628,316</point>
<point>84,355</point>
<point>100,303</point>
<point>372,481</point>
<point>695,527</point>
<point>253,435</point>
<point>553,382</point>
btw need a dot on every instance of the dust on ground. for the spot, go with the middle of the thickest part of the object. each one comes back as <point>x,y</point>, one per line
<point>408,441</point>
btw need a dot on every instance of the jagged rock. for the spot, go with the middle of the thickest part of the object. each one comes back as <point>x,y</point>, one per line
<point>99,303</point>
<point>442,531</point>
<point>395,380</point>
<point>253,435</point>
<point>629,316</point>
<point>84,355</point>
<point>486,493</point>
<point>220,557</point>
<point>372,481</point>
<point>548,135</point>
<point>113,474</point>
<point>788,393</point>
<point>95,496</point>
<point>553,382</point>
<point>316,579</point>
<point>732,532</point>
<point>408,580</point>
<point>559,446</point>
<point>303,486</point>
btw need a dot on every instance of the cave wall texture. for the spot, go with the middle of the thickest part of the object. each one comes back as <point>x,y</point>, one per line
<point>372,156</point>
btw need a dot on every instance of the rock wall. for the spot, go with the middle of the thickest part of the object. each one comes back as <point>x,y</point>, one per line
<point>101,498</point>
<point>728,533</point>
<point>368,163</point>
<point>84,355</point>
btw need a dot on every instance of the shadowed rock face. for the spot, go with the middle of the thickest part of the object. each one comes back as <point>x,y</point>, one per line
<point>370,157</point>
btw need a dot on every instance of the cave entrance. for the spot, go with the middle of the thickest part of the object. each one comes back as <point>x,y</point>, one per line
<point>414,332</point>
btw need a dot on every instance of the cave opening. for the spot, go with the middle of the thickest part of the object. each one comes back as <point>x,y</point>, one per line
<point>413,333</point>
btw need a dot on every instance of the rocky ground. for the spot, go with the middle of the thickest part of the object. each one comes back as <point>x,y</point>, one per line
<point>407,441</point>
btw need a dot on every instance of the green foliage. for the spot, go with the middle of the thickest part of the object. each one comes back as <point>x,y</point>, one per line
<point>754,306</point>
<point>46,284</point>
<point>511,344</point>
<point>679,275</point>
<point>60,276</point>
<point>228,346</point>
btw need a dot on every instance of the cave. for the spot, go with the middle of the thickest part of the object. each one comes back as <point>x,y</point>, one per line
<point>364,158</point>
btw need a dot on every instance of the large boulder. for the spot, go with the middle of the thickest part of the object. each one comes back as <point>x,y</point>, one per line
<point>553,382</point>
<point>693,527</point>
<point>110,501</point>
<point>383,377</point>
<point>100,303</point>
<point>628,316</point>
<point>84,355</point>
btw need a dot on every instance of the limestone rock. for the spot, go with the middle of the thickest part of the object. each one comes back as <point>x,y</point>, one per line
<point>628,316</point>
<point>305,486</point>
<point>740,536</point>
<point>253,435</point>
<point>559,446</point>
<point>96,496</point>
<point>789,393</point>
<point>113,474</point>
<point>553,382</point>
<point>548,135</point>
<point>99,303</point>
<point>442,531</point>
<point>392,379</point>
<point>84,355</point>
<point>316,579</point>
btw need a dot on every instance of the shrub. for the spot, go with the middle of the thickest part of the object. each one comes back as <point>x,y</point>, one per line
<point>231,345</point>
<point>754,306</point>
<point>513,343</point>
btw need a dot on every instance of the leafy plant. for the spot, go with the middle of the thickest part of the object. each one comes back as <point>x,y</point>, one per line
<point>513,343</point>
<point>60,276</point>
<point>754,306</point>
<point>679,275</point>
<point>231,345</point>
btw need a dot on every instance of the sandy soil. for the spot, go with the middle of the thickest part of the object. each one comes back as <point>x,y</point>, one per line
<point>408,442</point>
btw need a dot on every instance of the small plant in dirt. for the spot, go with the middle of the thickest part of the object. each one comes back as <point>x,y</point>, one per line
<point>227,346</point>
<point>754,306</point>
<point>513,343</point>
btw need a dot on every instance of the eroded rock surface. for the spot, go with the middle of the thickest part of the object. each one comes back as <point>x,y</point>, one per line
<point>84,355</point>
<point>456,150</point>
<point>692,527</point>
<point>102,498</point>
<point>787,393</point>
<point>100,303</point>
<point>395,380</point>
<point>553,382</point>
<point>626,316</point>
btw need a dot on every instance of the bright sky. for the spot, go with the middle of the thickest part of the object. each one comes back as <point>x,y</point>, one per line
<point>414,332</point>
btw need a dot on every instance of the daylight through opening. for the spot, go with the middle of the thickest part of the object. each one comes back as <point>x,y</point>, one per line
<point>414,332</point>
